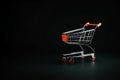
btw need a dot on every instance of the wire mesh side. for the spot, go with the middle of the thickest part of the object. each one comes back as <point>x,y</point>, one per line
<point>82,38</point>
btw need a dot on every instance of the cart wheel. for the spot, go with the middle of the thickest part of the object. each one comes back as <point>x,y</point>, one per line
<point>93,59</point>
<point>71,61</point>
<point>64,59</point>
<point>82,57</point>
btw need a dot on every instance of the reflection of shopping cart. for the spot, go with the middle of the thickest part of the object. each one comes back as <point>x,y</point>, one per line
<point>82,37</point>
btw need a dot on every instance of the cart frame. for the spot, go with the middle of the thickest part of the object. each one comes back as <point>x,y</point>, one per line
<point>80,37</point>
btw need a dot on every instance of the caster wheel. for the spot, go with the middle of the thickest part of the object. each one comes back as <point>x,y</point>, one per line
<point>64,59</point>
<point>71,61</point>
<point>93,59</point>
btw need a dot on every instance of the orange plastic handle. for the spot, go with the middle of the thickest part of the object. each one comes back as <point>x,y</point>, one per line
<point>96,25</point>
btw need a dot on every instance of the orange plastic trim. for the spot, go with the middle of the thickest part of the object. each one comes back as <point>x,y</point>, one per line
<point>64,38</point>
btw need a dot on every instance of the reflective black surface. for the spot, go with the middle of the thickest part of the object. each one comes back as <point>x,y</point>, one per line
<point>34,67</point>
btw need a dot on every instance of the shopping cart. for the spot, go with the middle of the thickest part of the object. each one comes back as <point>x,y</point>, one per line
<point>81,37</point>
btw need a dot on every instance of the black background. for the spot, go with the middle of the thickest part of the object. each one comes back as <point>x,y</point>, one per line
<point>33,30</point>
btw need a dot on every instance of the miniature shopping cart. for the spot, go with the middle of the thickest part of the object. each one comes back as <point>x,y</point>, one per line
<point>81,37</point>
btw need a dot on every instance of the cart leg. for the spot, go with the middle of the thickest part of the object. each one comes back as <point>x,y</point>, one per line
<point>93,57</point>
<point>82,52</point>
<point>82,55</point>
